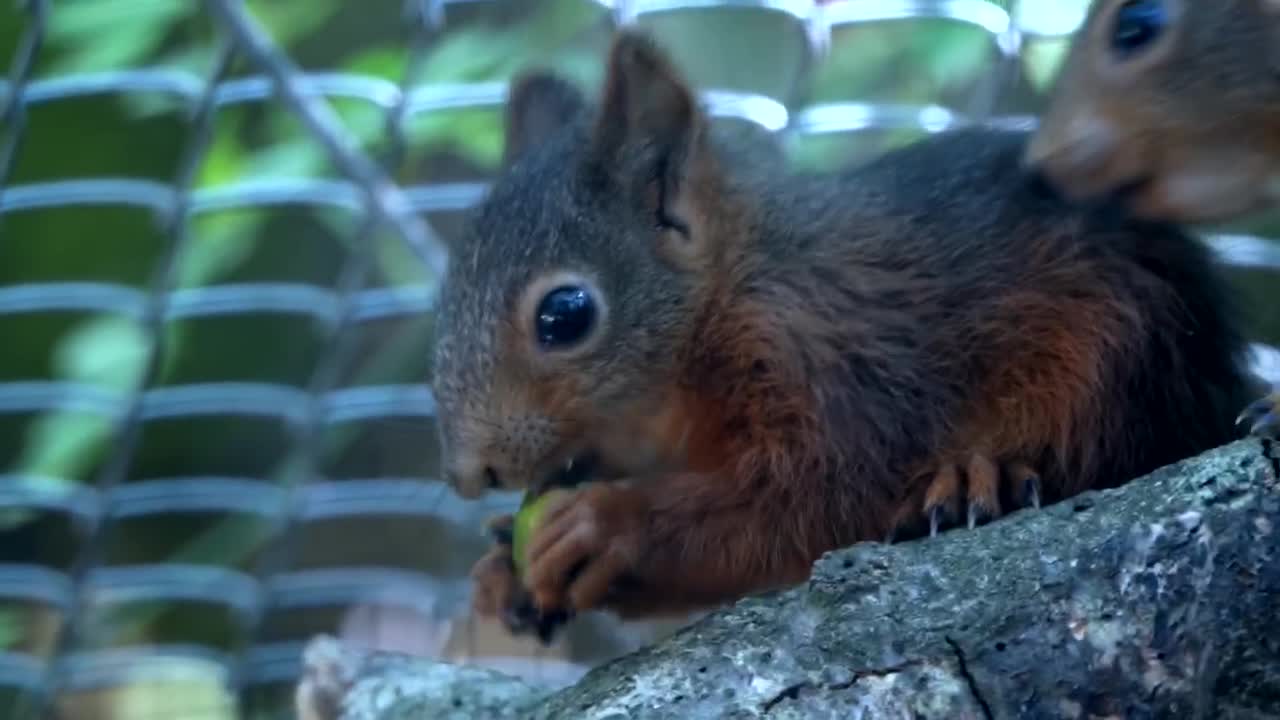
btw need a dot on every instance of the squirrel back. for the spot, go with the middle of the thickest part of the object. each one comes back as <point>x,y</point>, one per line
<point>1170,105</point>
<point>777,364</point>
<point>967,286</point>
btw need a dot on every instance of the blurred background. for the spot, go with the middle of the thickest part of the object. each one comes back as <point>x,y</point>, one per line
<point>216,434</point>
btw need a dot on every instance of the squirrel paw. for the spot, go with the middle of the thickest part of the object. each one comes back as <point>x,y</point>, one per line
<point>587,541</point>
<point>499,594</point>
<point>1263,417</point>
<point>974,488</point>
<point>501,529</point>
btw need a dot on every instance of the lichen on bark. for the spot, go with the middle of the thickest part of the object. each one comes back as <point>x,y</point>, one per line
<point>1157,599</point>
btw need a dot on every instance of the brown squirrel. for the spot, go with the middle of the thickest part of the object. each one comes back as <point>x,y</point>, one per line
<point>1171,107</point>
<point>765,366</point>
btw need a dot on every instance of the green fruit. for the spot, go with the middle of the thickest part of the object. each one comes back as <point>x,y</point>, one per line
<point>527,519</point>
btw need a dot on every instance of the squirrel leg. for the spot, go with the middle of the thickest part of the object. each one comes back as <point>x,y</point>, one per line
<point>974,487</point>
<point>494,574</point>
<point>670,544</point>
<point>498,593</point>
<point>1263,417</point>
<point>496,587</point>
<point>501,528</point>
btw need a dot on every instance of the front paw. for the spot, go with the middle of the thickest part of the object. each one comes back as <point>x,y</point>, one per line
<point>970,491</point>
<point>501,528</point>
<point>499,594</point>
<point>587,540</point>
<point>1263,417</point>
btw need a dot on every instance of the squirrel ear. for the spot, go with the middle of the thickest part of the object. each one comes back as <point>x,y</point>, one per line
<point>645,99</point>
<point>649,121</point>
<point>538,103</point>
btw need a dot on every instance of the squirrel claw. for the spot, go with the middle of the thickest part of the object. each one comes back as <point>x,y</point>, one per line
<point>1020,475</point>
<point>942,499</point>
<point>586,542</point>
<point>523,618</point>
<point>1263,417</point>
<point>973,517</point>
<point>499,594</point>
<point>501,529</point>
<point>976,486</point>
<point>1031,491</point>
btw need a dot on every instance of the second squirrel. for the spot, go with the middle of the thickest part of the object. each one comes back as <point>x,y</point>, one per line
<point>767,366</point>
<point>1173,108</point>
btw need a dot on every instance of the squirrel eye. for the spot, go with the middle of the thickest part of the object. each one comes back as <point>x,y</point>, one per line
<point>565,316</point>
<point>1137,23</point>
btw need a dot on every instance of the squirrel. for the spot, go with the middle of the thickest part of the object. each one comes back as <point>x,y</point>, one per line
<point>1172,108</point>
<point>760,365</point>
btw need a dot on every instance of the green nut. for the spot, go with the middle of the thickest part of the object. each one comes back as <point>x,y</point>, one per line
<point>527,519</point>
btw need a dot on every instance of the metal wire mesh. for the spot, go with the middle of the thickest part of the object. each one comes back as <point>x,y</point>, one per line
<point>82,582</point>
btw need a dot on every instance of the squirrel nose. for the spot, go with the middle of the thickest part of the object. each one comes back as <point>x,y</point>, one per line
<point>1084,156</point>
<point>472,482</point>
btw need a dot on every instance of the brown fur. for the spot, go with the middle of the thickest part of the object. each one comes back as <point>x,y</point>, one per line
<point>790,362</point>
<point>1186,129</point>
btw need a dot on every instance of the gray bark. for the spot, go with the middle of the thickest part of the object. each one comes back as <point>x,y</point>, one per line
<point>1160,599</point>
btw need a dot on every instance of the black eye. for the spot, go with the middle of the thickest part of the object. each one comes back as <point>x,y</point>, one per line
<point>565,316</point>
<point>1138,22</point>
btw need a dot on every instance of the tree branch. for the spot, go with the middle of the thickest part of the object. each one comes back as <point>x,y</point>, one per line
<point>1158,599</point>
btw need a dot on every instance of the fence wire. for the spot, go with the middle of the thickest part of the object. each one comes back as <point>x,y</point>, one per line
<point>90,583</point>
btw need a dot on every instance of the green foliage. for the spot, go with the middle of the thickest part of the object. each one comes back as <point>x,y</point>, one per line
<point>904,61</point>
<point>107,351</point>
<point>10,629</point>
<point>76,30</point>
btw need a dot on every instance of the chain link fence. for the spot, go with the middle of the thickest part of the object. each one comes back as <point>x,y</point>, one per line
<point>217,274</point>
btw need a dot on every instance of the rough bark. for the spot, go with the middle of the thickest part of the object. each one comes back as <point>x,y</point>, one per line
<point>1160,599</point>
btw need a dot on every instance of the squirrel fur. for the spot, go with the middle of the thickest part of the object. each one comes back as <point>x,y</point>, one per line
<point>782,363</point>
<point>1171,107</point>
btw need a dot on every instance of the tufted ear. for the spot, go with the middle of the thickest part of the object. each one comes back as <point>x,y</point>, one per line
<point>649,128</point>
<point>538,103</point>
<point>645,100</point>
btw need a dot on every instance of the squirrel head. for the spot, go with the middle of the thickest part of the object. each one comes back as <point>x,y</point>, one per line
<point>1172,106</point>
<point>575,291</point>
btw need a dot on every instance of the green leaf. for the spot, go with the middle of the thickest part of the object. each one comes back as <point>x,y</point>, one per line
<point>109,351</point>
<point>289,21</point>
<point>11,625</point>
<point>224,160</point>
<point>220,242</point>
<point>64,444</point>
<point>137,28</point>
<point>383,62</point>
<point>467,56</point>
